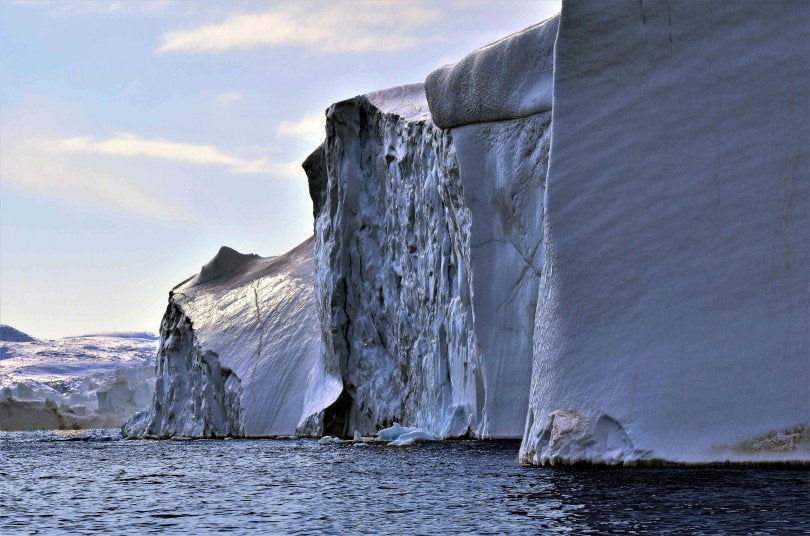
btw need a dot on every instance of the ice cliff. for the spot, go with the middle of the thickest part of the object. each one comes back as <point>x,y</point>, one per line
<point>428,255</point>
<point>674,310</point>
<point>594,234</point>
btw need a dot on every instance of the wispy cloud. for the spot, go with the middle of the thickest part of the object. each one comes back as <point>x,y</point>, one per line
<point>311,128</point>
<point>130,145</point>
<point>366,27</point>
<point>25,166</point>
<point>226,99</point>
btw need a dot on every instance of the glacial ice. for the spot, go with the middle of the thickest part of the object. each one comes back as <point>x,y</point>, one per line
<point>594,233</point>
<point>427,254</point>
<point>674,312</point>
<point>240,352</point>
<point>394,431</point>
<point>92,381</point>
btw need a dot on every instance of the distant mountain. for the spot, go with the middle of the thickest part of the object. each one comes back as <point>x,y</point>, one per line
<point>9,334</point>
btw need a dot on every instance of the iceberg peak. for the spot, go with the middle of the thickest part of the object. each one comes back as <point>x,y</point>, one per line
<point>226,260</point>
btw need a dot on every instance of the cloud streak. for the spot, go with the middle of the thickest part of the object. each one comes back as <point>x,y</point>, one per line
<point>369,27</point>
<point>311,128</point>
<point>130,145</point>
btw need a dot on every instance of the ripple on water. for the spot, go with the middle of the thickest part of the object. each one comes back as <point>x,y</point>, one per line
<point>299,487</point>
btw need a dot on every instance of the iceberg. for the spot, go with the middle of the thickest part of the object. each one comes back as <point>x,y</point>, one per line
<point>673,320</point>
<point>240,353</point>
<point>593,234</point>
<point>427,263</point>
<point>91,381</point>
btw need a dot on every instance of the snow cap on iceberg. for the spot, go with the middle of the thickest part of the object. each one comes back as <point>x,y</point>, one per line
<point>507,79</point>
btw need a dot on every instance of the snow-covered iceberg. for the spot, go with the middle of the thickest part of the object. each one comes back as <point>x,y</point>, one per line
<point>240,352</point>
<point>92,381</point>
<point>674,313</point>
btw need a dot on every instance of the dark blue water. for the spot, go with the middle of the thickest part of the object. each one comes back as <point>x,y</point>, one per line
<point>48,485</point>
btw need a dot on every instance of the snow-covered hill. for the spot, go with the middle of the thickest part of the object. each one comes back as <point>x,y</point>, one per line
<point>9,334</point>
<point>75,382</point>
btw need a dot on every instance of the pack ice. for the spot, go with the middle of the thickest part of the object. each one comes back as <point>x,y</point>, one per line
<point>594,234</point>
<point>91,381</point>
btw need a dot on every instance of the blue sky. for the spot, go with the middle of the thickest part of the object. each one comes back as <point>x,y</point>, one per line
<point>138,137</point>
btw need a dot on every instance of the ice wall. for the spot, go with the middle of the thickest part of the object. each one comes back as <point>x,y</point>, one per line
<point>240,352</point>
<point>427,261</point>
<point>674,312</point>
<point>392,274</point>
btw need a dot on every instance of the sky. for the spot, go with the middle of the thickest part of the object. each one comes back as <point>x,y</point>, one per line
<point>137,137</point>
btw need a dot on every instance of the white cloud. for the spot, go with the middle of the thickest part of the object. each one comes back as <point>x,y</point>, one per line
<point>226,99</point>
<point>333,28</point>
<point>130,145</point>
<point>311,128</point>
<point>26,166</point>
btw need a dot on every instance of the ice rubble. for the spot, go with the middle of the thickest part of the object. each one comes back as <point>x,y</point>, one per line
<point>674,313</point>
<point>650,291</point>
<point>240,352</point>
<point>93,381</point>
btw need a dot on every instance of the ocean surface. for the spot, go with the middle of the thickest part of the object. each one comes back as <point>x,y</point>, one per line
<point>97,483</point>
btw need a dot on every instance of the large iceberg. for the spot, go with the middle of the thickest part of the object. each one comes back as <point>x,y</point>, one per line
<point>427,264</point>
<point>240,352</point>
<point>594,234</point>
<point>674,313</point>
<point>91,381</point>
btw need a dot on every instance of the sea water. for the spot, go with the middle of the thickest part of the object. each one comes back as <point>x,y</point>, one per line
<point>93,483</point>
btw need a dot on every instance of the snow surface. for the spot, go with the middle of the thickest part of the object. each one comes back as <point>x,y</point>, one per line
<point>75,382</point>
<point>508,79</point>
<point>240,352</point>
<point>674,314</point>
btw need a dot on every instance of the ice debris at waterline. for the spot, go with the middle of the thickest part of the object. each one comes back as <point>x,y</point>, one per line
<point>394,436</point>
<point>594,234</point>
<point>93,381</point>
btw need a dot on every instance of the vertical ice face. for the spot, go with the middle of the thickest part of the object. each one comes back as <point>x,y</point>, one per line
<point>428,257</point>
<point>674,311</point>
<point>502,166</point>
<point>240,352</point>
<point>392,274</point>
